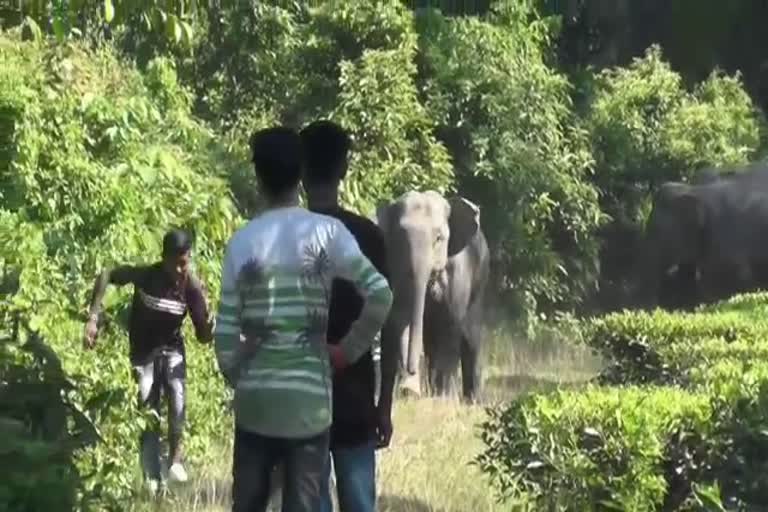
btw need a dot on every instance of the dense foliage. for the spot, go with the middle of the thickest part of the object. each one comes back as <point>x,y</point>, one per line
<point>97,162</point>
<point>506,118</point>
<point>685,431</point>
<point>42,427</point>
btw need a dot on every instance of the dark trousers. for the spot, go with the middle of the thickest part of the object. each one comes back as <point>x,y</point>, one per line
<point>302,460</point>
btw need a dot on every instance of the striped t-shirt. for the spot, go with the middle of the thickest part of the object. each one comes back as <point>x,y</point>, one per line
<point>276,285</point>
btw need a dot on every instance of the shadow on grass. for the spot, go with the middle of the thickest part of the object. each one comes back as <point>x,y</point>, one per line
<point>388,503</point>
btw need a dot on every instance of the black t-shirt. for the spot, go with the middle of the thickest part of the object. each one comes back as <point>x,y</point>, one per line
<point>159,307</point>
<point>354,407</point>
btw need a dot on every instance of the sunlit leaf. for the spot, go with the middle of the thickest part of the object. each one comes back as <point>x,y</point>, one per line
<point>109,11</point>
<point>59,29</point>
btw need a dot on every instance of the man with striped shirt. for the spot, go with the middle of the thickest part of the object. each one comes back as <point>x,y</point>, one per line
<point>163,294</point>
<point>270,336</point>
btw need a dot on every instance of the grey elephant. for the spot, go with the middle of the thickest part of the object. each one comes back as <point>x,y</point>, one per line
<point>709,236</point>
<point>439,266</point>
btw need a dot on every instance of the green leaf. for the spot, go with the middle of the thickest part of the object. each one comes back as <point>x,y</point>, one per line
<point>109,11</point>
<point>173,28</point>
<point>188,33</point>
<point>59,29</point>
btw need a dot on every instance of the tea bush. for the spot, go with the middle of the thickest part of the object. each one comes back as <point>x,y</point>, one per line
<point>681,425</point>
<point>663,347</point>
<point>639,449</point>
<point>98,161</point>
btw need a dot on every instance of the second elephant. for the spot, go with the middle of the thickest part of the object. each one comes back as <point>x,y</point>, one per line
<point>438,260</point>
<point>714,230</point>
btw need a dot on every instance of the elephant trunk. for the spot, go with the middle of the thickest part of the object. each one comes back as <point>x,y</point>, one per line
<point>416,327</point>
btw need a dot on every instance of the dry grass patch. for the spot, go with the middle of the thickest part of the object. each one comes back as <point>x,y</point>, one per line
<point>428,466</point>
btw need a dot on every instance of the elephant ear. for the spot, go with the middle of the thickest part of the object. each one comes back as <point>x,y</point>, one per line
<point>463,221</point>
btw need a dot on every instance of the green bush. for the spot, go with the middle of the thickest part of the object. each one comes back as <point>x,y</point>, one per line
<point>100,161</point>
<point>42,429</point>
<point>634,448</point>
<point>684,428</point>
<point>647,129</point>
<point>640,449</point>
<point>663,347</point>
<point>353,62</point>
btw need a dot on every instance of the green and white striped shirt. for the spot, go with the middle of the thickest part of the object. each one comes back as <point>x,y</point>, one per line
<point>275,294</point>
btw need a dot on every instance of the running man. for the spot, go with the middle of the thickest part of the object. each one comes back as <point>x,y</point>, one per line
<point>270,336</point>
<point>359,426</point>
<point>163,294</point>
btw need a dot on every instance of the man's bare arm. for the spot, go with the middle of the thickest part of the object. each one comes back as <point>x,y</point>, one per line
<point>120,276</point>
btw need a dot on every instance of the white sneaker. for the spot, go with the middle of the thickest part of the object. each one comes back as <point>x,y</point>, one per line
<point>152,485</point>
<point>177,473</point>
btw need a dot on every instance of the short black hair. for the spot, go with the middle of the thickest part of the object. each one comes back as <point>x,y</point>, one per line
<point>325,144</point>
<point>276,157</point>
<point>176,242</point>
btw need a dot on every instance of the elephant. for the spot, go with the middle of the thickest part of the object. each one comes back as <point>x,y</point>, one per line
<point>710,237</point>
<point>439,265</point>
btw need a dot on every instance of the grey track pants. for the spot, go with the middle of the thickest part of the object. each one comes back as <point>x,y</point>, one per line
<point>164,372</point>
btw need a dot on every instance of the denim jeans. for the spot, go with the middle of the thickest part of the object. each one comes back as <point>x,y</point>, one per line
<point>355,469</point>
<point>165,371</point>
<point>255,458</point>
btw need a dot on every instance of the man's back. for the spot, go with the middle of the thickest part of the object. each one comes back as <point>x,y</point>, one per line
<point>354,408</point>
<point>276,288</point>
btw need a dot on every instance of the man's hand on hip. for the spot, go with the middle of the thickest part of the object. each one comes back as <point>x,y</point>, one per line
<point>338,359</point>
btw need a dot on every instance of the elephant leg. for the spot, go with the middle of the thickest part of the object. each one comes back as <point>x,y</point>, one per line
<point>471,372</point>
<point>406,385</point>
<point>446,362</point>
<point>430,358</point>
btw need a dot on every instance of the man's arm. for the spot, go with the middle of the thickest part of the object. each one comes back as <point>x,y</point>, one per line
<point>198,310</point>
<point>351,264</point>
<point>119,276</point>
<point>226,334</point>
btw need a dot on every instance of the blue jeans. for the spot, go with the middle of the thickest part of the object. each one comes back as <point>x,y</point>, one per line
<point>355,469</point>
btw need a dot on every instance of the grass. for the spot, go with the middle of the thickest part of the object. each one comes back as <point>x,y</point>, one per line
<point>427,467</point>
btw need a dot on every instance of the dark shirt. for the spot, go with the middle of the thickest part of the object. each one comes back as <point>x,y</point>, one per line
<point>354,407</point>
<point>158,309</point>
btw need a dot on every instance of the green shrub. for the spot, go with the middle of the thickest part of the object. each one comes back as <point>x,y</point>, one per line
<point>698,443</point>
<point>353,62</point>
<point>635,448</point>
<point>43,429</point>
<point>103,161</point>
<point>639,449</point>
<point>663,347</point>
